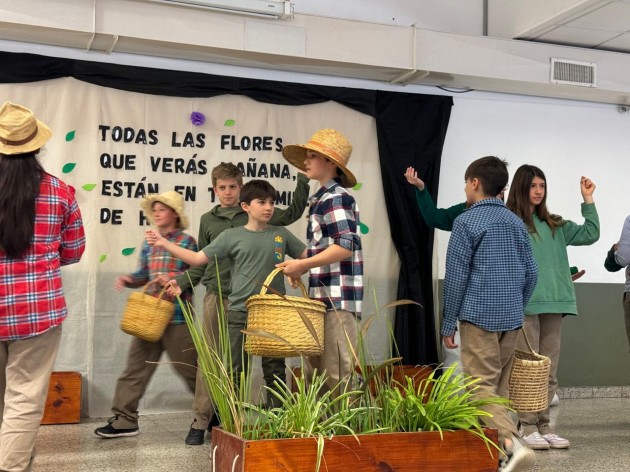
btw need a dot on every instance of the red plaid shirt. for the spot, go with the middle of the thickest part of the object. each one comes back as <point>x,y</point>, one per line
<point>31,296</point>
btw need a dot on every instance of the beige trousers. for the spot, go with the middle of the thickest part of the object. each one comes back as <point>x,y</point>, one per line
<point>25,368</point>
<point>544,333</point>
<point>488,355</point>
<point>203,409</point>
<point>340,336</point>
<point>141,365</point>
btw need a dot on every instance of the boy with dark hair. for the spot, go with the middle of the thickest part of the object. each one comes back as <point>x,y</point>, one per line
<point>335,260</point>
<point>227,181</point>
<point>252,252</point>
<point>490,275</point>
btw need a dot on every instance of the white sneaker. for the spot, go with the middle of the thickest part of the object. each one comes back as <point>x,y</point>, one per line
<point>555,401</point>
<point>519,458</point>
<point>536,441</point>
<point>556,442</point>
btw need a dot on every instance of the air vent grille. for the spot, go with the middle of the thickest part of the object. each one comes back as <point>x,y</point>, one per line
<point>573,73</point>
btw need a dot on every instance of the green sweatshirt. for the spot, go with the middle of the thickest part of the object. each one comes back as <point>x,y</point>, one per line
<point>554,292</point>
<point>218,220</point>
<point>440,218</point>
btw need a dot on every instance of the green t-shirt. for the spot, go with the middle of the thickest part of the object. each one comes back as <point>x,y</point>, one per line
<point>252,256</point>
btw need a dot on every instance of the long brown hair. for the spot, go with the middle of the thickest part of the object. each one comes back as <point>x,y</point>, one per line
<point>20,175</point>
<point>518,199</point>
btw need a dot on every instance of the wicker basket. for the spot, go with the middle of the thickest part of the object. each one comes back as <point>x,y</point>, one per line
<point>529,380</point>
<point>146,317</point>
<point>282,316</point>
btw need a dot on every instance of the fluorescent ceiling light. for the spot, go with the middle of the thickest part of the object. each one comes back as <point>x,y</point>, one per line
<point>262,8</point>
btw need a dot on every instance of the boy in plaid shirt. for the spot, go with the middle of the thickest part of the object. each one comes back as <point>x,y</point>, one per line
<point>335,260</point>
<point>166,212</point>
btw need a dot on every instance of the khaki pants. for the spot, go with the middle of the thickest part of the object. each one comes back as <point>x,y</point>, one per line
<point>544,333</point>
<point>340,338</point>
<point>272,367</point>
<point>203,409</point>
<point>488,355</point>
<point>141,366</point>
<point>626,310</point>
<point>25,368</point>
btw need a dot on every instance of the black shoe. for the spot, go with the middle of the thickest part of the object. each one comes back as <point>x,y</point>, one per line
<point>108,431</point>
<point>195,437</point>
<point>214,421</point>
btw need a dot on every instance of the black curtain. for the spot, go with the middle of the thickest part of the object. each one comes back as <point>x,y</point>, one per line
<point>411,129</point>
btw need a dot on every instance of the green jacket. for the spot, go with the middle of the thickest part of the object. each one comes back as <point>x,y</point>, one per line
<point>440,218</point>
<point>554,292</point>
<point>212,224</point>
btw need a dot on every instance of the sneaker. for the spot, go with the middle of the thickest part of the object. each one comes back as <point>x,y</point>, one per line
<point>108,431</point>
<point>556,442</point>
<point>535,441</point>
<point>519,458</point>
<point>195,437</point>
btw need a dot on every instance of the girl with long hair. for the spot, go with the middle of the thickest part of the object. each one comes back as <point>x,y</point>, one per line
<point>554,295</point>
<point>40,230</point>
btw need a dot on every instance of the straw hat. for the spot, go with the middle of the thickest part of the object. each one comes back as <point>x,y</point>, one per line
<point>331,144</point>
<point>20,131</point>
<point>171,199</point>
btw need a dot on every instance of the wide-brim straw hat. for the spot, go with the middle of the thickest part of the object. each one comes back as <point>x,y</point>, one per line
<point>330,143</point>
<point>171,199</point>
<point>20,131</point>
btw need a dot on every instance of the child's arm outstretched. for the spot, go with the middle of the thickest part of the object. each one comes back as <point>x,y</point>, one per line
<point>193,258</point>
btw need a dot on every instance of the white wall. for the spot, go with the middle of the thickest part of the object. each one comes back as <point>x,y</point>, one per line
<point>566,139</point>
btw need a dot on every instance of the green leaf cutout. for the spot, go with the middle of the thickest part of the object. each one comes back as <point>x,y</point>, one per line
<point>102,258</point>
<point>70,135</point>
<point>357,186</point>
<point>68,167</point>
<point>89,187</point>
<point>128,251</point>
<point>364,228</point>
<point>229,123</point>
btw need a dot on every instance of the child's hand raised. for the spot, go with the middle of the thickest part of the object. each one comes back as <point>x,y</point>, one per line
<point>412,177</point>
<point>587,187</point>
<point>154,238</point>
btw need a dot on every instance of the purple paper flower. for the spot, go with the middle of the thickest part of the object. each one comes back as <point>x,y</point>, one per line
<point>197,118</point>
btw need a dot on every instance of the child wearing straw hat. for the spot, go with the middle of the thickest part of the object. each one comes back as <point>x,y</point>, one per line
<point>41,230</point>
<point>335,260</point>
<point>166,213</point>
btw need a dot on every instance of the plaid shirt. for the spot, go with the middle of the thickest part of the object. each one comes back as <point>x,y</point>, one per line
<point>334,219</point>
<point>31,294</point>
<point>156,261</point>
<point>490,269</point>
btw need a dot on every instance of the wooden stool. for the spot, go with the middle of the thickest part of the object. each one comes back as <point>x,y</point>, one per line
<point>63,404</point>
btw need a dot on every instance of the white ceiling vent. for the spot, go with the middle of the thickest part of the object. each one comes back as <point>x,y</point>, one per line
<point>568,72</point>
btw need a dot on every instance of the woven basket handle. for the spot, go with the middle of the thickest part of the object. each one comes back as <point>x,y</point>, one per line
<point>529,346</point>
<point>146,286</point>
<point>270,277</point>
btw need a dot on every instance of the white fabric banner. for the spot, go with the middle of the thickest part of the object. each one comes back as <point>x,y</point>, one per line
<point>114,147</point>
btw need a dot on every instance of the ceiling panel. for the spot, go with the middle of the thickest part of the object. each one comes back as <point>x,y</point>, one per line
<point>581,37</point>
<point>612,17</point>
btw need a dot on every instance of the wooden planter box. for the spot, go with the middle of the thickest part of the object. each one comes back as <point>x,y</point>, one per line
<point>400,452</point>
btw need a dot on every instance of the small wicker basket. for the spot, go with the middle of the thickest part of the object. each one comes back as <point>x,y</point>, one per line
<point>146,317</point>
<point>529,380</point>
<point>282,316</point>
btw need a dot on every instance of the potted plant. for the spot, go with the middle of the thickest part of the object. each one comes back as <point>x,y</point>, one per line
<point>387,422</point>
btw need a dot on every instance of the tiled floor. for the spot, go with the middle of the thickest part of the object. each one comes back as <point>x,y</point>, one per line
<point>599,430</point>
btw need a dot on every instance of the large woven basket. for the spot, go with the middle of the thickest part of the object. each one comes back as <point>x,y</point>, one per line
<point>283,316</point>
<point>529,380</point>
<point>146,317</point>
